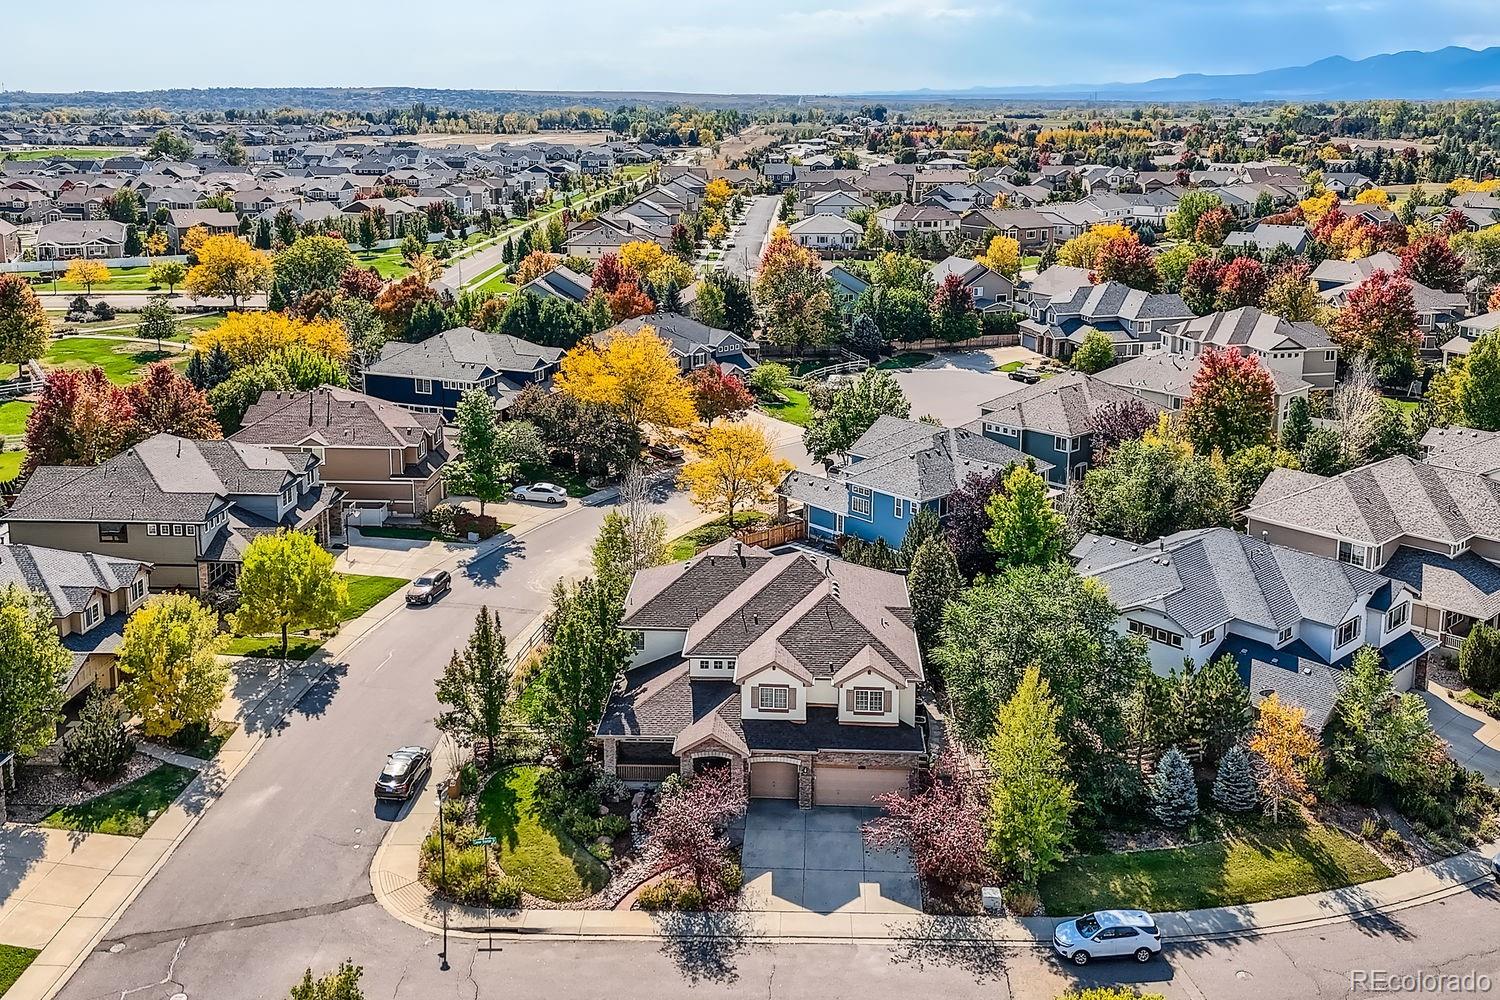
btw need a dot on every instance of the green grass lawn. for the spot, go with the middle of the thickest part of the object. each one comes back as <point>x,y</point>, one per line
<point>576,483</point>
<point>364,593</point>
<point>1252,864</point>
<point>496,282</point>
<point>121,279</point>
<point>126,810</point>
<point>796,410</point>
<point>1030,261</point>
<point>1405,407</point>
<point>13,962</point>
<point>10,464</point>
<point>1012,366</point>
<point>13,417</point>
<point>203,742</point>
<point>66,152</point>
<point>532,848</point>
<point>907,359</point>
<point>121,360</point>
<point>686,546</point>
<point>388,262</point>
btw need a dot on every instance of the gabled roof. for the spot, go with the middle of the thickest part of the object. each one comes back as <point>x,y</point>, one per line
<point>921,462</point>
<point>464,354</point>
<point>329,417</point>
<point>1111,300</point>
<point>563,283</point>
<point>1464,449</point>
<point>1250,327</point>
<point>1065,405</point>
<point>68,579</point>
<point>685,334</point>
<point>1172,374</point>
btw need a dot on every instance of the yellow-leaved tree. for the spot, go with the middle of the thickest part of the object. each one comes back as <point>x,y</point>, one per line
<point>87,273</point>
<point>1003,256</point>
<point>1374,196</point>
<point>287,584</point>
<point>735,469</point>
<point>1083,249</point>
<point>228,266</point>
<point>1319,205</point>
<point>632,374</point>
<point>716,193</point>
<point>193,239</point>
<point>654,264</point>
<point>249,337</point>
<point>168,656</point>
<point>1285,747</point>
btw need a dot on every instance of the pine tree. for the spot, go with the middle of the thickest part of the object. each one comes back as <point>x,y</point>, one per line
<point>99,745</point>
<point>197,371</point>
<point>1174,794</point>
<point>1234,785</point>
<point>932,580</point>
<point>220,366</point>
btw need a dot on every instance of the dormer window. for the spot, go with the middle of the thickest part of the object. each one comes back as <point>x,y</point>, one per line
<point>1347,633</point>
<point>1396,617</point>
<point>91,616</point>
<point>774,698</point>
<point>869,701</point>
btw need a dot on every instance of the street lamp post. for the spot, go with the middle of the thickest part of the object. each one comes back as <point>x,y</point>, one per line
<point>443,863</point>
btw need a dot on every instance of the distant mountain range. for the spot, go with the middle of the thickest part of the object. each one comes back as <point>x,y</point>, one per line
<point>1446,74</point>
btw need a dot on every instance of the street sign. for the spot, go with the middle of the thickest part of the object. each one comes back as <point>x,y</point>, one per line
<point>481,841</point>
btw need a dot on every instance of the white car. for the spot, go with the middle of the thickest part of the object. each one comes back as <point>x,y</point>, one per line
<point>541,493</point>
<point>1108,934</point>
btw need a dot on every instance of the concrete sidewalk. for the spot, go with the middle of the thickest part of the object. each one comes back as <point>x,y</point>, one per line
<point>64,889</point>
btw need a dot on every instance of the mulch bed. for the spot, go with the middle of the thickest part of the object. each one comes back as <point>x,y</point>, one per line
<point>43,784</point>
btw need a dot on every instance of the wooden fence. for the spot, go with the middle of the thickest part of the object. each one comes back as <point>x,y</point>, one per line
<point>773,535</point>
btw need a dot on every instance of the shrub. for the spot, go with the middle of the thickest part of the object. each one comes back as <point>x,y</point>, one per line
<point>1022,900</point>
<point>467,873</point>
<point>484,526</point>
<point>689,898</point>
<point>440,518</point>
<point>731,878</point>
<point>468,779</point>
<point>659,896</point>
<point>103,310</point>
<point>100,744</point>
<point>602,850</point>
<point>1391,840</point>
<point>610,789</point>
<point>1369,829</point>
<point>505,892</point>
<point>454,811</point>
<point>1479,659</point>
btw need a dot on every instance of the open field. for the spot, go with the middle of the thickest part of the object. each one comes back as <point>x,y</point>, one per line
<point>122,360</point>
<point>67,152</point>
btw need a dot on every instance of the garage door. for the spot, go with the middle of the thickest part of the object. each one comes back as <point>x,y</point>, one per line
<point>856,786</point>
<point>773,780</point>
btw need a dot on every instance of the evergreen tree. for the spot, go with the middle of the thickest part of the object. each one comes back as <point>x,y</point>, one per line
<point>1174,793</point>
<point>1297,425</point>
<point>99,745</point>
<point>1234,785</point>
<point>932,581</point>
<point>219,365</point>
<point>924,524</point>
<point>197,371</point>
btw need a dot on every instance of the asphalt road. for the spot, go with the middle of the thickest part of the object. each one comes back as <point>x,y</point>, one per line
<point>743,258</point>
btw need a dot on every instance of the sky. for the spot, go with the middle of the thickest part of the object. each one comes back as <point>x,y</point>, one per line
<point>702,46</point>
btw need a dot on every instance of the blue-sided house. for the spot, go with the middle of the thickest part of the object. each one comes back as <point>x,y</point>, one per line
<point>896,468</point>
<point>429,377</point>
<point>1053,421</point>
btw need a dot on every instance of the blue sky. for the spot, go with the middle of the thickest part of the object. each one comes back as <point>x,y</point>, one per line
<point>765,46</point>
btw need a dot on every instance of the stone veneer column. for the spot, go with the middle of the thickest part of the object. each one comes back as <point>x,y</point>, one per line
<point>611,755</point>
<point>805,784</point>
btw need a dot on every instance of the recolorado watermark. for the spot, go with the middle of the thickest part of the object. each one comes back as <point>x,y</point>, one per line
<point>1420,981</point>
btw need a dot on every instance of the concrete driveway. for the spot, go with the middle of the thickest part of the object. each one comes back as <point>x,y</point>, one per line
<point>1473,739</point>
<point>815,860</point>
<point>951,386</point>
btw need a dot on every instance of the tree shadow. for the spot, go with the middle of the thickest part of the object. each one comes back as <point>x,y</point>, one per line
<point>316,699</point>
<point>969,944</point>
<point>22,848</point>
<point>485,570</point>
<point>705,947</point>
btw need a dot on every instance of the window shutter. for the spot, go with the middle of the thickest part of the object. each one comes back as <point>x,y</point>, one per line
<point>755,698</point>
<point>791,698</point>
<point>884,706</point>
<point>849,699</point>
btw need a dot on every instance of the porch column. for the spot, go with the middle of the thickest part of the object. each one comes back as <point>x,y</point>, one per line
<point>805,784</point>
<point>611,755</point>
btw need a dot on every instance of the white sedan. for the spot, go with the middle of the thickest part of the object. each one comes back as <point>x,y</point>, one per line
<point>540,493</point>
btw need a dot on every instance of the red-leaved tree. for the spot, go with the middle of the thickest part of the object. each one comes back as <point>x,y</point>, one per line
<point>361,283</point>
<point>1242,282</point>
<point>968,521</point>
<point>717,393</point>
<point>1379,321</point>
<point>1232,404</point>
<point>1128,261</point>
<point>941,825</point>
<point>1213,226</point>
<point>627,301</point>
<point>953,316</point>
<point>1200,285</point>
<point>610,274</point>
<point>1430,261</point>
<point>689,822</point>
<point>166,402</point>
<point>80,418</point>
<point>1119,421</point>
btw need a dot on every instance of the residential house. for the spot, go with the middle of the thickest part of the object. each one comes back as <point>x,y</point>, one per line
<point>1265,238</point>
<point>896,468</point>
<point>1331,274</point>
<point>103,239</point>
<point>1052,421</point>
<point>992,291</point>
<point>91,597</point>
<point>181,221</point>
<point>187,507</point>
<point>836,202</point>
<point>1132,319</point>
<point>1466,332</point>
<point>1301,349</point>
<point>801,674</point>
<point>1432,527</point>
<point>920,220</point>
<point>375,451</point>
<point>561,283</point>
<point>1166,379</point>
<point>1057,282</point>
<point>1290,619</point>
<point>1464,449</point>
<point>827,232</point>
<point>431,376</point>
<point>844,283</point>
<point>695,344</point>
<point>10,242</point>
<point>1032,229</point>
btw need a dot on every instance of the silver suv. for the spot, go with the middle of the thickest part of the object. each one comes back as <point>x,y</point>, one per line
<point>1108,934</point>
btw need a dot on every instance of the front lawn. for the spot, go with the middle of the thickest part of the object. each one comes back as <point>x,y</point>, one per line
<point>13,416</point>
<point>121,279</point>
<point>796,409</point>
<point>129,810</point>
<point>389,262</point>
<point>10,464</point>
<point>686,546</point>
<point>364,593</point>
<point>570,479</point>
<point>532,848</point>
<point>122,360</point>
<point>1251,864</point>
<point>367,591</point>
<point>268,647</point>
<point>906,359</point>
<point>13,962</point>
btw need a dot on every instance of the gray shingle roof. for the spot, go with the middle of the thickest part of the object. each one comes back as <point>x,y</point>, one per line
<point>330,416</point>
<point>464,354</point>
<point>921,462</point>
<point>68,579</point>
<point>1172,374</point>
<point>1065,405</point>
<point>1251,328</point>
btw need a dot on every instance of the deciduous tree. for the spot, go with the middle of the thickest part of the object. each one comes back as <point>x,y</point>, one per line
<point>940,824</point>
<point>627,301</point>
<point>843,412</point>
<point>248,337</point>
<point>228,266</point>
<point>25,327</point>
<point>1153,487</point>
<point>80,418</point>
<point>1085,249</point>
<point>1379,321</point>
<point>169,656</point>
<point>1284,748</point>
<point>1031,803</point>
<point>1003,256</point>
<point>632,374</point>
<point>87,273</point>
<point>1430,261</point>
<point>793,294</point>
<point>1128,261</point>
<point>689,823</point>
<point>1182,223</point>
<point>287,584</point>
<point>32,671</point>
<point>953,317</point>
<point>1025,529</point>
<point>717,393</point>
<point>735,469</point>
<point>1242,282</point>
<point>311,264</point>
<point>164,402</point>
<point>490,453</point>
<point>1232,403</point>
<point>1096,353</point>
<point>474,686</point>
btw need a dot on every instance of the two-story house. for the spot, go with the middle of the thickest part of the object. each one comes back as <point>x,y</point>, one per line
<point>992,291</point>
<point>695,344</point>
<point>1301,349</point>
<point>1466,333</point>
<point>907,219</point>
<point>375,451</point>
<point>1432,527</point>
<point>1290,619</point>
<point>896,468</point>
<point>1035,231</point>
<point>801,674</point>
<point>1166,379</point>
<point>187,507</point>
<point>431,376</point>
<point>1132,319</point>
<point>1052,422</point>
<point>91,597</point>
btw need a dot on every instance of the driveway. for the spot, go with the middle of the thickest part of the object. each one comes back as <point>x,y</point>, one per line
<point>951,386</point>
<point>1473,739</point>
<point>815,860</point>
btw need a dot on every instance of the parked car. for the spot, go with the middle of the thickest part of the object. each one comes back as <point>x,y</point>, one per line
<point>541,493</point>
<point>668,452</point>
<point>1028,375</point>
<point>426,588</point>
<point>1108,934</point>
<point>403,773</point>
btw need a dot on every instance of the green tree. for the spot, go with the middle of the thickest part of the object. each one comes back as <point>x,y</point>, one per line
<point>1375,733</point>
<point>1031,804</point>
<point>490,453</point>
<point>932,581</point>
<point>1479,658</point>
<point>923,525</point>
<point>842,413</point>
<point>1173,792</point>
<point>1479,389</point>
<point>286,584</point>
<point>1234,784</point>
<point>1096,353</point>
<point>1322,453</point>
<point>158,321</point>
<point>1025,529</point>
<point>1248,468</point>
<point>631,538</point>
<point>100,744</point>
<point>169,656</point>
<point>585,653</point>
<point>1183,222</point>
<point>25,328</point>
<point>168,144</point>
<point>474,686</point>
<point>342,984</point>
<point>1152,487</point>
<point>311,264</point>
<point>32,671</point>
<point>169,273</point>
<point>1297,425</point>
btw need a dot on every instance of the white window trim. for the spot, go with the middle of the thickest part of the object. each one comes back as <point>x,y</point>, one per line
<point>769,694</point>
<point>1403,610</point>
<point>424,387</point>
<point>1353,625</point>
